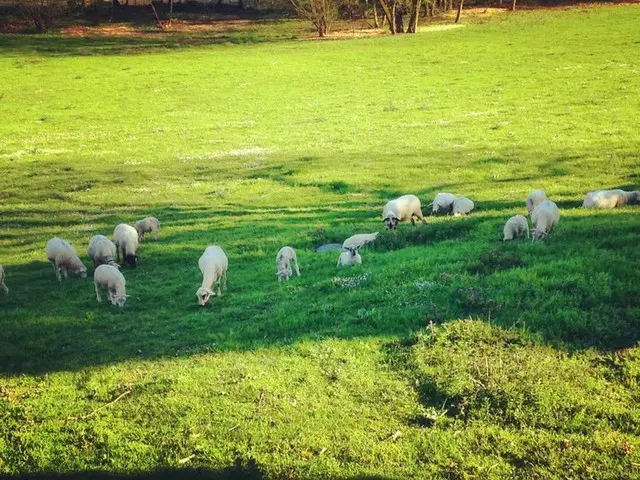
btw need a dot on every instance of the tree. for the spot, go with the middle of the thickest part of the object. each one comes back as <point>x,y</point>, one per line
<point>394,11</point>
<point>43,13</point>
<point>460,10</point>
<point>319,12</point>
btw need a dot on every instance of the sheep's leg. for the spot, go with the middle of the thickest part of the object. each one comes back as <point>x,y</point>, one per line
<point>218,284</point>
<point>224,279</point>
<point>295,261</point>
<point>98,297</point>
<point>4,287</point>
<point>413,222</point>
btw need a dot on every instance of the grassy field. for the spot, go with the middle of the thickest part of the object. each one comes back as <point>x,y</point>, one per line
<point>446,354</point>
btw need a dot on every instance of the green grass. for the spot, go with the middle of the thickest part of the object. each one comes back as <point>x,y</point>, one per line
<point>446,354</point>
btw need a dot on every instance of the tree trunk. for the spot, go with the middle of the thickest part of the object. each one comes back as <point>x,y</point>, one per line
<point>399,18</point>
<point>500,3</point>
<point>513,5</point>
<point>170,12</point>
<point>376,23</point>
<point>460,11</point>
<point>415,14</point>
<point>241,4</point>
<point>389,13</point>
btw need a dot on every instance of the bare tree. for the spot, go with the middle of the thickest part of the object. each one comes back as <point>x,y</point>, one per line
<point>319,12</point>
<point>394,11</point>
<point>460,10</point>
<point>43,13</point>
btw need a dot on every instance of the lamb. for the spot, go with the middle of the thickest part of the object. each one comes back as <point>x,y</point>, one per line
<point>544,218</point>
<point>443,203</point>
<point>102,251</point>
<point>610,198</point>
<point>110,278</point>
<point>348,258</point>
<point>147,225</point>
<point>402,209</point>
<point>534,199</point>
<point>213,264</point>
<point>286,256</point>
<point>515,226</point>
<point>64,257</point>
<point>462,206</point>
<point>2,284</point>
<point>355,242</point>
<point>125,238</point>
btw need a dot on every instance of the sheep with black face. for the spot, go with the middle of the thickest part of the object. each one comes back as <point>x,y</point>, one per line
<point>402,209</point>
<point>125,238</point>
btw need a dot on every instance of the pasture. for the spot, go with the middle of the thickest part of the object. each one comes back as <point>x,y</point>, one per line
<point>446,354</point>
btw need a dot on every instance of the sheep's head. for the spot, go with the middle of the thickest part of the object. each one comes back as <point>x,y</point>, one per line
<point>81,272</point>
<point>203,295</point>
<point>538,235</point>
<point>635,196</point>
<point>391,222</point>
<point>284,274</point>
<point>119,300</point>
<point>131,260</point>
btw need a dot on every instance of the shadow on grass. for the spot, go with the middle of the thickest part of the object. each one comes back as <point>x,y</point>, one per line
<point>570,289</point>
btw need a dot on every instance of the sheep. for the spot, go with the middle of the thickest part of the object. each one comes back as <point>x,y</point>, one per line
<point>286,256</point>
<point>125,238</point>
<point>544,218</point>
<point>147,225</point>
<point>64,257</point>
<point>534,199</point>
<point>213,264</point>
<point>462,206</point>
<point>610,198</point>
<point>102,251</point>
<point>443,203</point>
<point>110,278</point>
<point>348,258</point>
<point>355,242</point>
<point>516,226</point>
<point>2,284</point>
<point>400,210</point>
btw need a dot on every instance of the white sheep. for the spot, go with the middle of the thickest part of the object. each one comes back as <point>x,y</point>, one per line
<point>348,258</point>
<point>125,238</point>
<point>544,218</point>
<point>148,225</point>
<point>110,278</point>
<point>64,257</point>
<point>462,206</point>
<point>102,251</point>
<point>443,203</point>
<point>213,264</point>
<point>2,277</point>
<point>286,256</point>
<point>402,209</point>
<point>610,198</point>
<point>355,242</point>
<point>516,226</point>
<point>534,199</point>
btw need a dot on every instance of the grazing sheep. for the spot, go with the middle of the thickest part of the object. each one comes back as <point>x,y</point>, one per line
<point>516,226</point>
<point>348,258</point>
<point>286,256</point>
<point>125,238</point>
<point>213,264</point>
<point>355,242</point>
<point>64,257</point>
<point>443,203</point>
<point>462,206</point>
<point>402,209</point>
<point>534,199</point>
<point>110,278</point>
<point>610,198</point>
<point>544,218</point>
<point>102,251</point>
<point>2,284</point>
<point>148,225</point>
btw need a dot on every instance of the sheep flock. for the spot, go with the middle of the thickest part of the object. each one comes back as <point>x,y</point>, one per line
<point>103,252</point>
